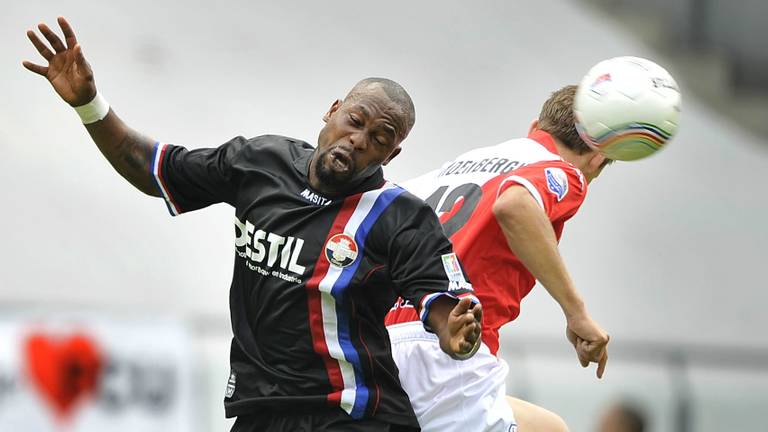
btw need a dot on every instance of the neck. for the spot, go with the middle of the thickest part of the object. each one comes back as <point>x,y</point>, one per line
<point>570,156</point>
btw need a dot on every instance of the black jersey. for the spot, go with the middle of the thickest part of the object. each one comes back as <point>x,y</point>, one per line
<point>314,276</point>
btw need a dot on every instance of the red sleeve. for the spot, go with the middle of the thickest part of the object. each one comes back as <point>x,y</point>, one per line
<point>557,186</point>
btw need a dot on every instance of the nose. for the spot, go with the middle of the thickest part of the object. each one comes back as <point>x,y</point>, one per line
<point>359,141</point>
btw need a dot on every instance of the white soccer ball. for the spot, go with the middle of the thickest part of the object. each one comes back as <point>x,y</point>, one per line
<point>627,107</point>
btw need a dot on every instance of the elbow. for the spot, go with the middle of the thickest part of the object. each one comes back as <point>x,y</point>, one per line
<point>500,209</point>
<point>511,203</point>
<point>516,206</point>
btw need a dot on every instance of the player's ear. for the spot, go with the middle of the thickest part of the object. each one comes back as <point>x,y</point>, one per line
<point>334,107</point>
<point>534,126</point>
<point>392,155</point>
<point>597,160</point>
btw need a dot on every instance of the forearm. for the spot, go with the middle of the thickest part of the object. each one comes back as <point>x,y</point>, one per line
<point>129,152</point>
<point>531,238</point>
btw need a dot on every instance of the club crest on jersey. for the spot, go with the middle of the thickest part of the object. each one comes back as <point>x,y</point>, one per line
<point>557,182</point>
<point>341,250</point>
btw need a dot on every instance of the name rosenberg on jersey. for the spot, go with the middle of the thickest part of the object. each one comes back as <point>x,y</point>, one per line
<point>490,165</point>
<point>266,252</point>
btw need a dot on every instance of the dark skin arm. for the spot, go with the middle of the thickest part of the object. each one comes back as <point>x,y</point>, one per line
<point>70,75</point>
<point>457,325</point>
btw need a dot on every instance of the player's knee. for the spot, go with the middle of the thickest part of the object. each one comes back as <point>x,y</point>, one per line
<point>533,418</point>
<point>558,424</point>
<point>549,422</point>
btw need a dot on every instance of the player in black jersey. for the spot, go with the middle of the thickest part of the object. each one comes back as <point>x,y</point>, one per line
<point>323,244</point>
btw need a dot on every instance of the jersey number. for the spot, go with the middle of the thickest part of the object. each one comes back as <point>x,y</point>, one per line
<point>470,193</point>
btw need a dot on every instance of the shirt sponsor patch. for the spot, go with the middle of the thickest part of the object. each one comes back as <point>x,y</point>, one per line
<point>341,250</point>
<point>557,182</point>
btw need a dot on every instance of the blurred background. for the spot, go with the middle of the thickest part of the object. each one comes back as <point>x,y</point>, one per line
<point>669,252</point>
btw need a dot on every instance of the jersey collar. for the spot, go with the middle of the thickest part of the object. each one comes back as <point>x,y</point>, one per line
<point>301,162</point>
<point>545,139</point>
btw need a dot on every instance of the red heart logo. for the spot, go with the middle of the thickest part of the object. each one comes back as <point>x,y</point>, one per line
<point>64,370</point>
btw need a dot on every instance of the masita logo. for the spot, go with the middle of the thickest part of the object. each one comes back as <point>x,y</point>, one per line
<point>314,198</point>
<point>267,249</point>
<point>341,250</point>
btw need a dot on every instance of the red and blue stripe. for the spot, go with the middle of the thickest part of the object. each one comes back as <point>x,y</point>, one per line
<point>327,289</point>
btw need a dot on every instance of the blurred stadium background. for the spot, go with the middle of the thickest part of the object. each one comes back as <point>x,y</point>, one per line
<point>669,252</point>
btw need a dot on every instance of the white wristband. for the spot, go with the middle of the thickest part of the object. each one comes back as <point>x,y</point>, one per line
<point>94,110</point>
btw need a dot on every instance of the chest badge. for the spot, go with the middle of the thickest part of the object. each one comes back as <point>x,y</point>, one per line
<point>341,250</point>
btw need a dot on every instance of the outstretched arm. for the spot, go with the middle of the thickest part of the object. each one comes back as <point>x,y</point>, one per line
<point>70,75</point>
<point>457,325</point>
<point>531,237</point>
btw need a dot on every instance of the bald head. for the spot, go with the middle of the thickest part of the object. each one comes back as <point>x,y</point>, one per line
<point>393,91</point>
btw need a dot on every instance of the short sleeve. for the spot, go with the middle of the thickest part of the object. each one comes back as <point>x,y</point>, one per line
<point>423,265</point>
<point>193,179</point>
<point>558,187</point>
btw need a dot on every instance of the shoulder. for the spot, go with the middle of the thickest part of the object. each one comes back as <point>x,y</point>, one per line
<point>265,150</point>
<point>274,143</point>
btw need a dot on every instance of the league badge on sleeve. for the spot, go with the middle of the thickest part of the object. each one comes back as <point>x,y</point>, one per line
<point>557,182</point>
<point>231,384</point>
<point>452,269</point>
<point>341,250</point>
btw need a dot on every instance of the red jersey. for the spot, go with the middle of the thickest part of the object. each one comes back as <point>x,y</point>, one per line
<point>462,192</point>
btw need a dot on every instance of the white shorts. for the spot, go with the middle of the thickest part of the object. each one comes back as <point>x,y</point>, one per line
<point>449,395</point>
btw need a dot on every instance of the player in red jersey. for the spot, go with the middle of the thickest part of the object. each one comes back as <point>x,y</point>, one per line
<point>503,208</point>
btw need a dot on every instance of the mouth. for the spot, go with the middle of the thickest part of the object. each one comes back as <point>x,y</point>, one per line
<point>340,160</point>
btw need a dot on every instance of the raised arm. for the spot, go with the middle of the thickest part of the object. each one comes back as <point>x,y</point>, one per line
<point>531,237</point>
<point>70,75</point>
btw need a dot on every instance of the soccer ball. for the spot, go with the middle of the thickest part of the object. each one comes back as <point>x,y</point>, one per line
<point>627,107</point>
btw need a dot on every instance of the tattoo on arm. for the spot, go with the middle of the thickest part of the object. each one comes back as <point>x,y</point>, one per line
<point>133,156</point>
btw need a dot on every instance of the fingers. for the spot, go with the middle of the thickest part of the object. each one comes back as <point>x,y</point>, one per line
<point>40,70</point>
<point>79,57</point>
<point>583,356</point>
<point>54,40</point>
<point>69,34</point>
<point>477,311</point>
<point>468,336</point>
<point>39,45</point>
<point>589,352</point>
<point>601,364</point>
<point>461,307</point>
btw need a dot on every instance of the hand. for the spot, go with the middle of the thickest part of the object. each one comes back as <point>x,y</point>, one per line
<point>68,71</point>
<point>464,329</point>
<point>589,341</point>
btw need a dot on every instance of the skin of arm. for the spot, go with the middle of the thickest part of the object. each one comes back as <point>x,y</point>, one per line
<point>70,75</point>
<point>129,152</point>
<point>532,239</point>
